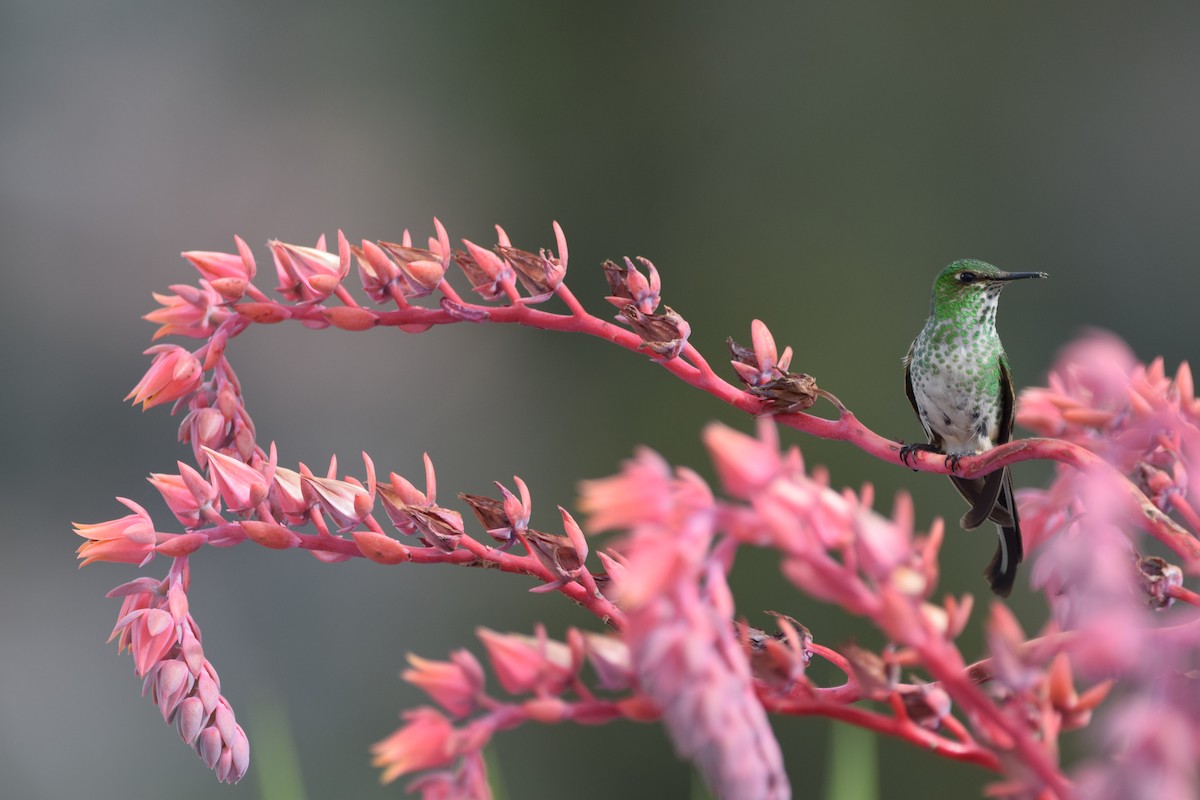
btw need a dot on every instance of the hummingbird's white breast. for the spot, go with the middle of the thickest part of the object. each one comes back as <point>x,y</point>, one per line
<point>955,381</point>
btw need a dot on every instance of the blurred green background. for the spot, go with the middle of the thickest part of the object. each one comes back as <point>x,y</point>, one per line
<point>809,165</point>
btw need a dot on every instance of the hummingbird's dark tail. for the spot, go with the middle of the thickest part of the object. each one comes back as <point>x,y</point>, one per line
<point>1001,572</point>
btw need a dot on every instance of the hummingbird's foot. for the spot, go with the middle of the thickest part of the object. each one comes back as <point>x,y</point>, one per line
<point>906,452</point>
<point>952,459</point>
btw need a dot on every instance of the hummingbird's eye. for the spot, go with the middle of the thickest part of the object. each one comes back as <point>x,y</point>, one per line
<point>967,277</point>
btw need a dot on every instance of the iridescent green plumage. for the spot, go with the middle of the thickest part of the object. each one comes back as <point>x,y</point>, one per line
<point>958,381</point>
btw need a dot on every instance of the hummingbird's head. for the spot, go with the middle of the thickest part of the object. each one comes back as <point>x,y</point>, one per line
<point>970,282</point>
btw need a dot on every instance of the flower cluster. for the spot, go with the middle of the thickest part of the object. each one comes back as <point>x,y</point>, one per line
<point>543,679</point>
<point>676,649</point>
<point>155,627</point>
<point>1098,583</point>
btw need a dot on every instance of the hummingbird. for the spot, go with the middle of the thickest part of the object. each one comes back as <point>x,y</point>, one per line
<point>959,383</point>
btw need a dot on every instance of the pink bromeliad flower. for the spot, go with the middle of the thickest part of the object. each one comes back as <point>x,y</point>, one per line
<point>1113,539</point>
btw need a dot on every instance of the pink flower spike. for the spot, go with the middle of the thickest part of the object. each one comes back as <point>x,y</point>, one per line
<point>241,486</point>
<point>175,373</point>
<point>128,540</point>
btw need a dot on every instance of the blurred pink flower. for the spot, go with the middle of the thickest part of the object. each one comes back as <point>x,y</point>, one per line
<point>528,663</point>
<point>425,741</point>
<point>467,782</point>
<point>689,661</point>
<point>744,464</point>
<point>454,684</point>
<point>639,493</point>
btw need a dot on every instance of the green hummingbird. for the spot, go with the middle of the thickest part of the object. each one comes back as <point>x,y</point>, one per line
<point>959,383</point>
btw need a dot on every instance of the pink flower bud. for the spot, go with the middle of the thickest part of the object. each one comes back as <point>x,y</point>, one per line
<point>269,534</point>
<point>381,548</point>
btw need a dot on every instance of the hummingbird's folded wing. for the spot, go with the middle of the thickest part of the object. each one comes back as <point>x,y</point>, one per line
<point>982,494</point>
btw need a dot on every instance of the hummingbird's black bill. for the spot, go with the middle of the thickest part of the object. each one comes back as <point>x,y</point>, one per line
<point>1016,276</point>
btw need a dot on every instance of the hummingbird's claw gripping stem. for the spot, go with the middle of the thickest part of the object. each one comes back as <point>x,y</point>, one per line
<point>906,452</point>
